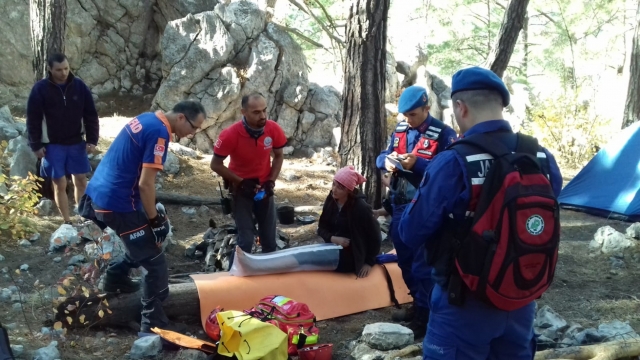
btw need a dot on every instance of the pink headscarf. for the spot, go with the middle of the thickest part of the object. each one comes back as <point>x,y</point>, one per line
<point>349,177</point>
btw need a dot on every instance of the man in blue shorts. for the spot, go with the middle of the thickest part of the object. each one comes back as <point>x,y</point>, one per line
<point>121,195</point>
<point>60,113</point>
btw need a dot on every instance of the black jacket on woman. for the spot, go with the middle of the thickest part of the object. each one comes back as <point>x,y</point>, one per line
<point>354,221</point>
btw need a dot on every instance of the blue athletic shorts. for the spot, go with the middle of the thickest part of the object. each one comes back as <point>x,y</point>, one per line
<point>62,160</point>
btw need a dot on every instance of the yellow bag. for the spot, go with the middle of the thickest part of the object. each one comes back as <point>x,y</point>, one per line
<point>249,338</point>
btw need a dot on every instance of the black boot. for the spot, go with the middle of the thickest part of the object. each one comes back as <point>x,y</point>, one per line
<point>120,284</point>
<point>405,314</point>
<point>419,322</point>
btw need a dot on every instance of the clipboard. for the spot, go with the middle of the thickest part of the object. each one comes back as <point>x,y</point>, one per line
<point>395,162</point>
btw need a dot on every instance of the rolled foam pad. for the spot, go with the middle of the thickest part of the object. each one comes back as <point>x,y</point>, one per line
<point>327,293</point>
<point>317,257</point>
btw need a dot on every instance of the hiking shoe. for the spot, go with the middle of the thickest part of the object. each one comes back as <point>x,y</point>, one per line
<point>122,285</point>
<point>405,314</point>
<point>419,322</point>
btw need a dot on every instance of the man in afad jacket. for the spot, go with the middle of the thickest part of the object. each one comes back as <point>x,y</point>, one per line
<point>60,113</point>
<point>415,142</point>
<point>475,329</point>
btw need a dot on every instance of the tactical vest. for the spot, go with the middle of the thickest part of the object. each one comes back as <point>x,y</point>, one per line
<point>425,148</point>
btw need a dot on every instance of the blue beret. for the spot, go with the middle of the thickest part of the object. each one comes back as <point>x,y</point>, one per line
<point>412,97</point>
<point>477,78</point>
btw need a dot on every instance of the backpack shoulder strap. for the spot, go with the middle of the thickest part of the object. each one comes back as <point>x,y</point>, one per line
<point>527,144</point>
<point>490,143</point>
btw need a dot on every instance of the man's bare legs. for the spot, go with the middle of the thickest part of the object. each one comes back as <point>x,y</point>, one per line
<point>80,185</point>
<point>60,193</point>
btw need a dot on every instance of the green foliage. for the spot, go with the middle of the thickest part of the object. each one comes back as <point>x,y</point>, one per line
<point>568,128</point>
<point>18,204</point>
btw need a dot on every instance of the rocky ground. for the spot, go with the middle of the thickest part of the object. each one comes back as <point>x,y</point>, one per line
<point>594,297</point>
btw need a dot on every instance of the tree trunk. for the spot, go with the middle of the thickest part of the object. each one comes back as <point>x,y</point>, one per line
<point>632,105</point>
<point>509,30</point>
<point>48,26</point>
<point>124,309</point>
<point>363,113</point>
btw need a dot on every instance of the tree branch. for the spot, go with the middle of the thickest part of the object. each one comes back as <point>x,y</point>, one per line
<point>308,11</point>
<point>300,35</point>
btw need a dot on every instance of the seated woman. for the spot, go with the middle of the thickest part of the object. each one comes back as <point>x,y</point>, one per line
<point>347,220</point>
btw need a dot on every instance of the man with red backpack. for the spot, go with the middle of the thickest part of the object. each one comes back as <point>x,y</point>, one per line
<point>487,214</point>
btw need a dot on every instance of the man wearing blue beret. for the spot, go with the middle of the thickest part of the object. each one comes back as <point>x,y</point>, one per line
<point>463,323</point>
<point>415,142</point>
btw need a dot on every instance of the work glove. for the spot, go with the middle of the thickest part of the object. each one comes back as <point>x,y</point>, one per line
<point>268,186</point>
<point>248,187</point>
<point>160,227</point>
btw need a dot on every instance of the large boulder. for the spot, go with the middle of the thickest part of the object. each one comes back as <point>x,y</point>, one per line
<point>111,44</point>
<point>219,56</point>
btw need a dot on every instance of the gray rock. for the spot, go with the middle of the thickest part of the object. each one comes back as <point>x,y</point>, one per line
<point>17,350</point>
<point>13,288</point>
<point>49,352</point>
<point>45,331</point>
<point>25,243</point>
<point>288,150</point>
<point>35,237</point>
<point>8,129</point>
<point>189,211</point>
<point>17,307</point>
<point>44,207</point>
<point>364,352</point>
<point>633,231</point>
<point>387,336</point>
<point>190,251</point>
<point>203,143</point>
<point>57,259</point>
<point>180,150</point>
<point>616,263</point>
<point>290,176</point>
<point>172,164</point>
<point>306,120</point>
<point>77,260</point>
<point>23,160</point>
<point>11,326</point>
<point>549,322</point>
<point>288,120</point>
<point>617,330</point>
<point>191,354</point>
<point>1,258</point>
<point>65,235</point>
<point>147,346</point>
<point>203,210</point>
<point>5,295</point>
<point>24,267</point>
<point>608,240</point>
<point>588,336</point>
<point>195,44</point>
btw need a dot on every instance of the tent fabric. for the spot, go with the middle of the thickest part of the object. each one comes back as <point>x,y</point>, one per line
<point>609,184</point>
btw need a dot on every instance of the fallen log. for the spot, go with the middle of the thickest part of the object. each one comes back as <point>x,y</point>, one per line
<point>120,310</point>
<point>605,351</point>
<point>180,199</point>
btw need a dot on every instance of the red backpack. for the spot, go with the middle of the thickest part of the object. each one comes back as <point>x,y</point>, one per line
<point>294,318</point>
<point>508,257</point>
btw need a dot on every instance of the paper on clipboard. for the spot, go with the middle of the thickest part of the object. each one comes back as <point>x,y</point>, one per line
<point>396,163</point>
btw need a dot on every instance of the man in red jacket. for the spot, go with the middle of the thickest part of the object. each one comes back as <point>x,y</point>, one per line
<point>250,143</point>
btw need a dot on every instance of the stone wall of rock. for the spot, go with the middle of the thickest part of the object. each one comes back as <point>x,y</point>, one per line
<point>218,56</point>
<point>208,50</point>
<point>113,45</point>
